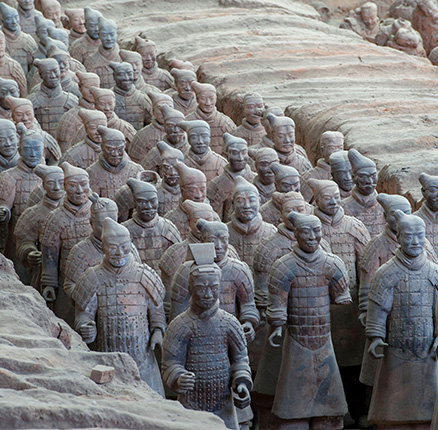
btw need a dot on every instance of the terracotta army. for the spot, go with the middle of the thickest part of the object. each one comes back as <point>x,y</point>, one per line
<point>50,102</point>
<point>108,50</point>
<point>362,203</point>
<point>236,294</point>
<point>193,186</point>
<point>220,189</point>
<point>363,21</point>
<point>30,226</point>
<point>113,167</point>
<point>175,137</point>
<point>70,121</point>
<point>424,20</point>
<point>127,293</point>
<point>27,13</point>
<point>42,32</point>
<point>176,254</point>
<point>51,9</point>
<point>132,105</point>
<point>169,191</point>
<point>85,153</point>
<point>330,142</point>
<point>184,98</point>
<point>201,156</point>
<point>9,154</point>
<point>65,227</point>
<point>283,137</point>
<point>135,60</point>
<point>342,174</point>
<point>251,128</point>
<point>151,234</point>
<point>203,333</point>
<point>152,74</point>
<point>247,227</point>
<point>389,28</point>
<point>8,87</point>
<point>401,318</point>
<point>22,111</point>
<point>265,180</point>
<point>124,198</point>
<point>19,45</point>
<point>89,43</point>
<point>379,250</point>
<point>148,136</point>
<point>408,41</point>
<point>302,285</point>
<point>88,252</point>
<point>10,68</point>
<point>428,211</point>
<point>206,111</point>
<point>77,22</point>
<point>16,184</point>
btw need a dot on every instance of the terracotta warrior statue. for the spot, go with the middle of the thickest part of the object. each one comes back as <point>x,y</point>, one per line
<point>151,234</point>
<point>42,33</point>
<point>342,174</point>
<point>108,50</point>
<point>407,40</point>
<point>152,74</point>
<point>50,102</point>
<point>123,290</point>
<point>330,142</point>
<point>184,98</point>
<point>362,203</point>
<point>22,111</point>
<point>283,137</point>
<point>251,128</point>
<point>220,189</point>
<point>428,211</point>
<point>70,121</point>
<point>265,179</point>
<point>30,226</point>
<point>132,105</point>
<point>76,18</point>
<point>8,87</point>
<point>175,137</point>
<point>27,13</point>
<point>19,45</point>
<point>247,227</point>
<point>9,154</point>
<point>135,60</point>
<point>219,123</point>
<point>89,43</point>
<point>401,318</point>
<point>10,68</point>
<point>424,20</point>
<point>176,254</point>
<point>201,332</point>
<point>88,252</point>
<point>148,136</point>
<point>363,21</point>
<point>51,9</point>
<point>16,184</point>
<point>302,284</point>
<point>105,101</point>
<point>169,191</point>
<point>85,153</point>
<point>201,156</point>
<point>113,168</point>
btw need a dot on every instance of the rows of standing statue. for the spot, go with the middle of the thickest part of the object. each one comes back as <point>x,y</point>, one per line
<point>276,294</point>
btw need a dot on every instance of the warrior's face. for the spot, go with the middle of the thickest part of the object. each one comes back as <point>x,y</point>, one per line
<point>8,142</point>
<point>77,189</point>
<point>184,88</point>
<point>238,157</point>
<point>430,193</point>
<point>220,238</point>
<point>207,101</point>
<point>24,114</point>
<point>124,77</point>
<point>253,110</point>
<point>284,138</point>
<point>169,173</point>
<point>113,151</point>
<point>329,201</point>
<point>31,151</point>
<point>205,290</point>
<point>108,36</point>
<point>246,205</point>
<point>8,88</point>
<point>195,191</point>
<point>343,177</point>
<point>11,20</point>
<point>366,180</point>
<point>175,134</point>
<point>289,183</point>
<point>53,184</point>
<point>116,250</point>
<point>411,237</point>
<point>92,26</point>
<point>91,129</point>
<point>309,235</point>
<point>199,139</point>
<point>146,206</point>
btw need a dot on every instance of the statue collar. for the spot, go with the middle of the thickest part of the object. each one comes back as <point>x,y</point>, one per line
<point>250,227</point>
<point>203,314</point>
<point>329,219</point>
<point>365,201</point>
<point>412,263</point>
<point>151,224</point>
<point>105,165</point>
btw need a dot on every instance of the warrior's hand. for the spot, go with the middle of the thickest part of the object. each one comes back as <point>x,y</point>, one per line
<point>88,331</point>
<point>3,214</point>
<point>156,339</point>
<point>363,319</point>
<point>249,331</point>
<point>274,334</point>
<point>186,382</point>
<point>242,398</point>
<point>34,258</point>
<point>49,294</point>
<point>434,347</point>
<point>376,342</point>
